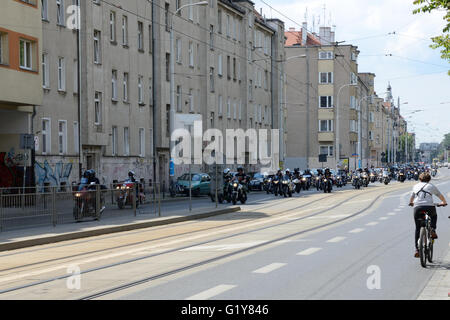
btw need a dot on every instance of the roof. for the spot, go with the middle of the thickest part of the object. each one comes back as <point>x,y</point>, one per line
<point>295,38</point>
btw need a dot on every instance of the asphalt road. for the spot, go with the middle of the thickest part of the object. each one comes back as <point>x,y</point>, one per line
<point>351,244</point>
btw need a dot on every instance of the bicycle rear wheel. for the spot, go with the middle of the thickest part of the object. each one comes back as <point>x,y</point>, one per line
<point>422,247</point>
<point>430,250</point>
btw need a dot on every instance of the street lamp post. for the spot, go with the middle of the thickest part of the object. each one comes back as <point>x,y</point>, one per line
<point>360,129</point>
<point>337,148</point>
<point>172,87</point>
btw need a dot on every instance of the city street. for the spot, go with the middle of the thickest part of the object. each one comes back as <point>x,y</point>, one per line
<point>350,244</point>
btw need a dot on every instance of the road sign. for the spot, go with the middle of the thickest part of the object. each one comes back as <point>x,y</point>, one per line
<point>26,141</point>
<point>323,157</point>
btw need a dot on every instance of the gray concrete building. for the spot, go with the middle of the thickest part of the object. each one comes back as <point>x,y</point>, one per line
<point>228,73</point>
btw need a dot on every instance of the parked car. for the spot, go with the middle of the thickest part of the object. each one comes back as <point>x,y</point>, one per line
<point>257,182</point>
<point>200,184</point>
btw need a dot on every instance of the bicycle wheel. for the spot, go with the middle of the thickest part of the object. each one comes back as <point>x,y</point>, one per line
<point>430,250</point>
<point>422,247</point>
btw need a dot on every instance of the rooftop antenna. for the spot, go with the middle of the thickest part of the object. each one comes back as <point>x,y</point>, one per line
<point>324,15</point>
<point>314,24</point>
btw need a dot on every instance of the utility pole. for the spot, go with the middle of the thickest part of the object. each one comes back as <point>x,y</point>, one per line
<point>307,107</point>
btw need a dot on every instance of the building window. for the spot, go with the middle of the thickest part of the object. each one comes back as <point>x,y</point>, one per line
<point>191,101</point>
<point>179,106</point>
<point>97,47</point>
<point>140,90</point>
<point>328,150</point>
<point>326,55</point>
<point>126,141</point>
<point>141,142</point>
<point>26,54</point>
<point>220,106</point>
<point>353,126</point>
<point>112,26</point>
<point>140,36</point>
<point>211,37</point>
<point>326,102</point>
<point>45,71</point>
<point>325,125</point>
<point>191,54</point>
<point>150,38</point>
<point>125,30</point>
<point>167,16</point>
<point>220,65</point>
<point>219,21</point>
<point>114,85</point>
<point>76,137</point>
<point>98,108</point>
<point>46,136</point>
<point>61,74</point>
<point>125,87</point>
<point>114,141</point>
<point>352,102</point>
<point>60,20</point>
<point>228,108</point>
<point>353,78</point>
<point>211,79</point>
<point>62,136</point>
<point>44,10</point>
<point>178,50</point>
<point>167,66</point>
<point>325,77</point>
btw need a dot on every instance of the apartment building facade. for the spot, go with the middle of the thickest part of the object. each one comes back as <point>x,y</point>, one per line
<point>20,86</point>
<point>323,100</point>
<point>108,127</point>
<point>111,112</point>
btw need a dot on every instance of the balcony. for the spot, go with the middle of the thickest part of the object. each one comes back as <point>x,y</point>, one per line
<point>326,136</point>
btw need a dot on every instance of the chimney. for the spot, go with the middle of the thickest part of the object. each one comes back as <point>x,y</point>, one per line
<point>304,33</point>
<point>325,35</point>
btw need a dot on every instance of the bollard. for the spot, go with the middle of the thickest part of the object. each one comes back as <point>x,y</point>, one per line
<point>97,201</point>
<point>133,196</point>
<point>54,206</point>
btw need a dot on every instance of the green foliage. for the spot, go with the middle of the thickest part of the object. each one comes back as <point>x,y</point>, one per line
<point>442,41</point>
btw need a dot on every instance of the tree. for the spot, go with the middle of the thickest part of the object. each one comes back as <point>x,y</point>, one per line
<point>442,41</point>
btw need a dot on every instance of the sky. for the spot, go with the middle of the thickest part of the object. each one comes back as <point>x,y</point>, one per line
<point>416,72</point>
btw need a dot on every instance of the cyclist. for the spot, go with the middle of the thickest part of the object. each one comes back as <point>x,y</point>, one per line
<point>422,200</point>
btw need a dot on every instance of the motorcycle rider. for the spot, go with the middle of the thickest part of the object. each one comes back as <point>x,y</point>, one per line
<point>242,178</point>
<point>422,199</point>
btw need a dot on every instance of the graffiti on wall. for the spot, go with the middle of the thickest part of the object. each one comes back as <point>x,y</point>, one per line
<point>11,175</point>
<point>53,176</point>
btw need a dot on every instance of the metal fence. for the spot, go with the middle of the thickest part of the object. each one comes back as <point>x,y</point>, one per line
<point>53,205</point>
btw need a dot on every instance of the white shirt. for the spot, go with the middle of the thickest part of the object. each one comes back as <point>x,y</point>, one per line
<point>425,197</point>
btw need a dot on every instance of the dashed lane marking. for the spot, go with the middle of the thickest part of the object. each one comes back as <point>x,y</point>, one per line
<point>372,224</point>
<point>336,239</point>
<point>357,230</point>
<point>308,252</point>
<point>270,268</point>
<point>207,294</point>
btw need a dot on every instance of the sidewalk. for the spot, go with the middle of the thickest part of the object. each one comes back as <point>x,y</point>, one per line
<point>438,288</point>
<point>23,238</point>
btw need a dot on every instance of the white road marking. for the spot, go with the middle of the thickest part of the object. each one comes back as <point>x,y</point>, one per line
<point>372,224</point>
<point>222,247</point>
<point>357,230</point>
<point>383,218</point>
<point>211,292</point>
<point>309,251</point>
<point>336,239</point>
<point>270,268</point>
<point>335,216</point>
<point>358,201</point>
<point>398,210</point>
<point>391,214</point>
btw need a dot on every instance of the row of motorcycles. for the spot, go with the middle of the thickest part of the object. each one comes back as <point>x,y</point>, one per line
<point>287,185</point>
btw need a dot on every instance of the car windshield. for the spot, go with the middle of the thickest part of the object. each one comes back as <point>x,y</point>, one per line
<point>185,177</point>
<point>258,175</point>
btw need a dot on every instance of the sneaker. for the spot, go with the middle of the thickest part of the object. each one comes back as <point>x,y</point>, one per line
<point>434,234</point>
<point>416,255</point>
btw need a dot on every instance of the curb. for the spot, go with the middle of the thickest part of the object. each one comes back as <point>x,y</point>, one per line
<point>108,230</point>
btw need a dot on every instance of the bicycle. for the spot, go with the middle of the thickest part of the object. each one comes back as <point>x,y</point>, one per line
<point>426,243</point>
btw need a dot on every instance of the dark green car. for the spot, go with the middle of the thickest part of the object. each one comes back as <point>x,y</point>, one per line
<point>200,184</point>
